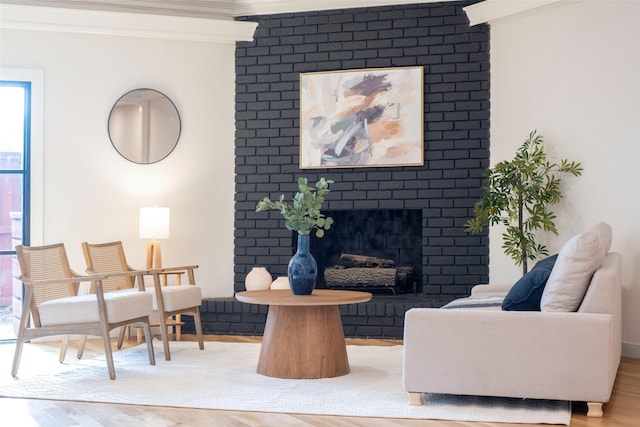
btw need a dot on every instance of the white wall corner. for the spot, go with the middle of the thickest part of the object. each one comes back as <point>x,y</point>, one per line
<point>490,10</point>
<point>34,18</point>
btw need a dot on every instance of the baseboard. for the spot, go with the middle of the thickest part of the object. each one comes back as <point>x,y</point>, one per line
<point>631,350</point>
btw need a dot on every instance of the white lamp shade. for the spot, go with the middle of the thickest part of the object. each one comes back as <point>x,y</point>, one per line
<point>154,223</point>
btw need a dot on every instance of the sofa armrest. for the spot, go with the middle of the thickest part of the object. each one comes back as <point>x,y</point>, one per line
<point>567,356</point>
<point>498,290</point>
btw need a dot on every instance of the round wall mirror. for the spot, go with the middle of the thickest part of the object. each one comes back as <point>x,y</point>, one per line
<point>144,126</point>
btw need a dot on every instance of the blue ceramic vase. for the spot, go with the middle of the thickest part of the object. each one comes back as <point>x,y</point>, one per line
<point>302,269</point>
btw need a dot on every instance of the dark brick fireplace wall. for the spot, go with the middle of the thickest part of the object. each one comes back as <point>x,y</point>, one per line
<point>455,58</point>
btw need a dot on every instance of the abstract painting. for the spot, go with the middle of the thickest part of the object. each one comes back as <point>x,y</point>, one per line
<point>362,118</point>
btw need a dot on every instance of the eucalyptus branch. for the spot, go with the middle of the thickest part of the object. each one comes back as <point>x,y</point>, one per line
<point>303,214</point>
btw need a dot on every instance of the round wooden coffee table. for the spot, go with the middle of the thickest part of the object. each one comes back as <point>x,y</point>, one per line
<point>303,336</point>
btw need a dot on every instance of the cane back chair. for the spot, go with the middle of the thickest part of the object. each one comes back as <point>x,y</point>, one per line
<point>168,301</point>
<point>51,305</point>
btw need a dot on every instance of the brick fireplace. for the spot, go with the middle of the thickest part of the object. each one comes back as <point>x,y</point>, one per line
<point>448,261</point>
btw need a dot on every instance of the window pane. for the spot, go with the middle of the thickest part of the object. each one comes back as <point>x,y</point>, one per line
<point>11,127</point>
<point>10,211</point>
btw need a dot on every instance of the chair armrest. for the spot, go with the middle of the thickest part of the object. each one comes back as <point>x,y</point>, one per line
<point>77,278</point>
<point>176,270</point>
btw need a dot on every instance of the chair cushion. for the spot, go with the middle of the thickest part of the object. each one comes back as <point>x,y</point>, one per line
<point>177,297</point>
<point>526,293</point>
<point>121,306</point>
<point>578,259</point>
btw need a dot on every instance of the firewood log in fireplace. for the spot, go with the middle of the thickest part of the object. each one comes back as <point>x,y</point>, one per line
<point>339,276</point>
<point>352,260</point>
<point>361,271</point>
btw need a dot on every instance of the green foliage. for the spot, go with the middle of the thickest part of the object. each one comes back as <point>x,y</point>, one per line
<point>518,194</point>
<point>303,215</point>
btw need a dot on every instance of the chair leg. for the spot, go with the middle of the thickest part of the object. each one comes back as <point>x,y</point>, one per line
<point>165,336</point>
<point>108,353</point>
<point>81,347</point>
<point>198,323</point>
<point>16,357</point>
<point>122,334</point>
<point>149,339</point>
<point>63,348</point>
<point>178,328</point>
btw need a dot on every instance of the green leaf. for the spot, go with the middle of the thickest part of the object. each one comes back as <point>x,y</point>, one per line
<point>304,214</point>
<point>518,194</point>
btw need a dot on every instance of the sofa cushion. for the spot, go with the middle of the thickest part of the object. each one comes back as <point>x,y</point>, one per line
<point>578,259</point>
<point>526,293</point>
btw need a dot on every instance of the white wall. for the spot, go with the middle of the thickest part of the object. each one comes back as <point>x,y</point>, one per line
<point>571,70</point>
<point>90,192</point>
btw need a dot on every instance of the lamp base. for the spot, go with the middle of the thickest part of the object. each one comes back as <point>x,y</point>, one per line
<point>154,255</point>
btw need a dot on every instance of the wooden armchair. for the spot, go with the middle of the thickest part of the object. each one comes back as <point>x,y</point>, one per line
<point>51,298</point>
<point>168,301</point>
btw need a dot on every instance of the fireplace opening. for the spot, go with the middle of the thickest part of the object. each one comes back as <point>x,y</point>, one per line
<point>389,241</point>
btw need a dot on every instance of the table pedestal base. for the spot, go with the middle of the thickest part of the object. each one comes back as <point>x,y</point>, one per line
<point>303,342</point>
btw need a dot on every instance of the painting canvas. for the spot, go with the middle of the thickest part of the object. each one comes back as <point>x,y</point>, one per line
<point>362,118</point>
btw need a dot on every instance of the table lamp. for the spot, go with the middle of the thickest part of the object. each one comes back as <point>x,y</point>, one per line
<point>154,224</point>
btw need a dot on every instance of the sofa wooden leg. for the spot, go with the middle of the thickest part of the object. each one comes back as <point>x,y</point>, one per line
<point>415,399</point>
<point>594,409</point>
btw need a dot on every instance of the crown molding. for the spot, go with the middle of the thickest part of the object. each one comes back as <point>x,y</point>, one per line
<point>490,10</point>
<point>224,9</point>
<point>201,20</point>
<point>268,7</point>
<point>125,24</point>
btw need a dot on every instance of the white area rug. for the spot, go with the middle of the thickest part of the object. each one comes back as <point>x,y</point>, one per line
<point>223,376</point>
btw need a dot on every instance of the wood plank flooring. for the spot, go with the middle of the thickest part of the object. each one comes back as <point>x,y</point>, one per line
<point>623,410</point>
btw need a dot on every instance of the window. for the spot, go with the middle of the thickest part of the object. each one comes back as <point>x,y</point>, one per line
<point>15,131</point>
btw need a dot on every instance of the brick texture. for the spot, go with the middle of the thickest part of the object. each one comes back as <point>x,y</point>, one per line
<point>455,58</point>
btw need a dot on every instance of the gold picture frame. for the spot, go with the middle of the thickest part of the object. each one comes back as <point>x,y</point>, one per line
<point>362,118</point>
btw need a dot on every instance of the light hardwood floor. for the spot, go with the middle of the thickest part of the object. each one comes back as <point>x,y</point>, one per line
<point>623,409</point>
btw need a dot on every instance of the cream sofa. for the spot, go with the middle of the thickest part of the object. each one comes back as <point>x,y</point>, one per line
<point>559,355</point>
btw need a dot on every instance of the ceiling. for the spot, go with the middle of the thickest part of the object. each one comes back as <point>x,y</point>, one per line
<point>210,8</point>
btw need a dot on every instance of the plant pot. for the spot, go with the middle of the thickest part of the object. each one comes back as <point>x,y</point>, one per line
<point>258,279</point>
<point>281,282</point>
<point>302,269</point>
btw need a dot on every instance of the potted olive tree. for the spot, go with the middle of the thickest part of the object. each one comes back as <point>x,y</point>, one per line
<point>518,194</point>
<point>303,216</point>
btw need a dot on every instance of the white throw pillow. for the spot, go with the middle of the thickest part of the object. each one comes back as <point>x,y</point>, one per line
<point>578,259</point>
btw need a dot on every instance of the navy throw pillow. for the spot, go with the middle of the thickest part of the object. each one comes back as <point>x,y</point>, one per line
<point>526,293</point>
